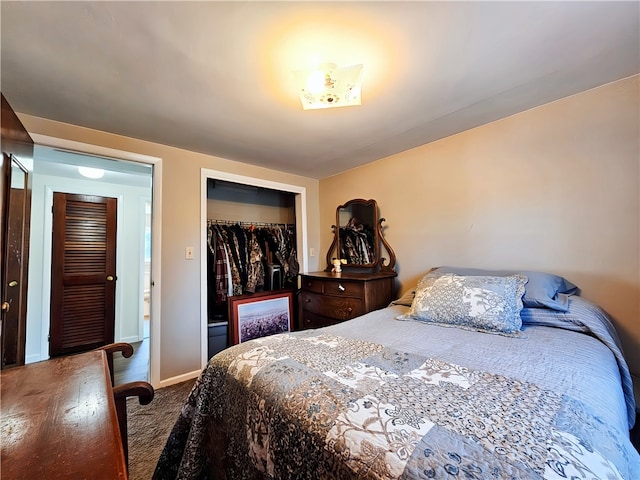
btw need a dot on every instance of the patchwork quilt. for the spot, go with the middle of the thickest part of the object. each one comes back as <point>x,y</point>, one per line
<point>315,405</point>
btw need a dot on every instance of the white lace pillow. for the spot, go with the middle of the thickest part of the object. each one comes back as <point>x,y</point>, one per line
<point>482,303</point>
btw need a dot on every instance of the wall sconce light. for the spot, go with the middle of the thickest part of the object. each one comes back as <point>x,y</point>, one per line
<point>329,86</point>
<point>91,172</point>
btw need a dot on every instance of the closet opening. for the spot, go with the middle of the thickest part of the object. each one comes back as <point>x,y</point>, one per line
<point>253,244</point>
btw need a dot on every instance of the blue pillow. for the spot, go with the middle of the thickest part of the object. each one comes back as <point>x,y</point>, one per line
<point>543,290</point>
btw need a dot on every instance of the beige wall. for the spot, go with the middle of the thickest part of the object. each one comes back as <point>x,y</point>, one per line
<point>554,189</point>
<point>180,297</point>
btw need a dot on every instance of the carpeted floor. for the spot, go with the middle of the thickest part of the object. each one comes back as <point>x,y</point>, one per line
<point>149,427</point>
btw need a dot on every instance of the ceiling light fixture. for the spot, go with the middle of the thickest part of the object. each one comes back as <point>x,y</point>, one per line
<point>90,172</point>
<point>329,86</point>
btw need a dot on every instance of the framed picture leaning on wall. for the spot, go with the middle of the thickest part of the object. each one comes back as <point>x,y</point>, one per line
<point>260,315</point>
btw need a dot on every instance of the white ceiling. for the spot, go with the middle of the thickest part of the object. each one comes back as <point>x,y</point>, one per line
<point>65,163</point>
<point>216,77</point>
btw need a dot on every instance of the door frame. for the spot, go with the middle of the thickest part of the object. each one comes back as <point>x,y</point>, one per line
<point>301,234</point>
<point>156,230</point>
<point>20,306</point>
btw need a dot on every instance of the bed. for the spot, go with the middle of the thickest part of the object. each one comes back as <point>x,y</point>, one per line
<point>400,394</point>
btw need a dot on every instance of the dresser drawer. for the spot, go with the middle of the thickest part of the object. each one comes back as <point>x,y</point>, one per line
<point>341,308</point>
<point>313,320</point>
<point>311,284</point>
<point>343,288</point>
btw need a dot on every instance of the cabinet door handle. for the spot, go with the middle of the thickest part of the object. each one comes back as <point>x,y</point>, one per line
<point>341,288</point>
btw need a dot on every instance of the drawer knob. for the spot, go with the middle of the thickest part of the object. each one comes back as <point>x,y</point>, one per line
<point>308,300</point>
<point>349,309</point>
<point>341,288</point>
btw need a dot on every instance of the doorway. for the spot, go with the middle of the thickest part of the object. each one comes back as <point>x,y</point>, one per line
<point>300,213</point>
<point>130,183</point>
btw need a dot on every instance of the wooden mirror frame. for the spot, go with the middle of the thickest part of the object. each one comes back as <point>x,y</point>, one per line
<point>379,264</point>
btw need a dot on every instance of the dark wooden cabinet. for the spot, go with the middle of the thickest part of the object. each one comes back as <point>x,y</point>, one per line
<point>327,298</point>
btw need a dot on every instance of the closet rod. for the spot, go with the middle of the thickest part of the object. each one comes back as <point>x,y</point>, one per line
<point>248,224</point>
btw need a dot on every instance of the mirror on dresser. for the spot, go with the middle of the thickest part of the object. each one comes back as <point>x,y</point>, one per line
<point>364,279</point>
<point>358,239</point>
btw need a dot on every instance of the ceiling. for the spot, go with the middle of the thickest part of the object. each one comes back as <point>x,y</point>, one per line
<point>64,163</point>
<point>216,77</point>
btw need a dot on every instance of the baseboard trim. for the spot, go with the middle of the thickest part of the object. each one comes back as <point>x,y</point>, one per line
<point>33,358</point>
<point>133,339</point>
<point>180,378</point>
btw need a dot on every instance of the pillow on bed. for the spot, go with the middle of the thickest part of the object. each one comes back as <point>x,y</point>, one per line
<point>489,304</point>
<point>406,299</point>
<point>544,290</point>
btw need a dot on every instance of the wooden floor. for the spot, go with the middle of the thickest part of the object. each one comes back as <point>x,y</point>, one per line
<point>135,367</point>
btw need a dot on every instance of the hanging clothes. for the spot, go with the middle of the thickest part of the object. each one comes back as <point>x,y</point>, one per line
<point>356,242</point>
<point>222,268</point>
<point>255,267</point>
<point>241,252</point>
<point>219,286</point>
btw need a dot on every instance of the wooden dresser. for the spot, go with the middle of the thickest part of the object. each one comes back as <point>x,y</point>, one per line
<point>327,298</point>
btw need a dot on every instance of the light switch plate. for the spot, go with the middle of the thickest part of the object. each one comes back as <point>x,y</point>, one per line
<point>188,253</point>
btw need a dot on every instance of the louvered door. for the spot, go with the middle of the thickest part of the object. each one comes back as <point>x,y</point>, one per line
<point>83,273</point>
